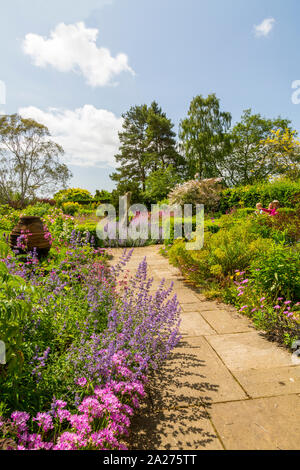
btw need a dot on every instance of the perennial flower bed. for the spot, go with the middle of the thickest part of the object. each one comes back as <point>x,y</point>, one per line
<point>81,337</point>
<point>253,262</point>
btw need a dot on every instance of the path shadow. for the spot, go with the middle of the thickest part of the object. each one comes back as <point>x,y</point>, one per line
<point>175,413</point>
<point>172,430</point>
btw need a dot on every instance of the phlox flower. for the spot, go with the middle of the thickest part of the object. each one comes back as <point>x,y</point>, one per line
<point>104,438</point>
<point>80,423</point>
<point>62,414</point>
<point>70,441</point>
<point>35,442</point>
<point>81,381</point>
<point>20,419</point>
<point>91,406</point>
<point>44,420</point>
<point>59,404</point>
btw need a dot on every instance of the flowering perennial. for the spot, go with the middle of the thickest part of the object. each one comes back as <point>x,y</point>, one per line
<point>106,367</point>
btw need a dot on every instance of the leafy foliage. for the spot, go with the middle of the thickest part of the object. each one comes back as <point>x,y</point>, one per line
<point>277,271</point>
<point>250,158</point>
<point>204,136</point>
<point>29,161</point>
<point>249,260</point>
<point>159,183</point>
<point>284,153</point>
<point>14,310</point>
<point>73,195</point>
<point>285,191</point>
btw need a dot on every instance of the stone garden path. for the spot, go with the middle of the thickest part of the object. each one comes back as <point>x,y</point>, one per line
<point>224,387</point>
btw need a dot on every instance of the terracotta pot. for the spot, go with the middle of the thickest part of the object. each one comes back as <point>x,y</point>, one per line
<point>33,229</point>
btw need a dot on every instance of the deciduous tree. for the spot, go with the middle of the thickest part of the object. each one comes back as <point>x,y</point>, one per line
<point>248,159</point>
<point>204,136</point>
<point>29,160</point>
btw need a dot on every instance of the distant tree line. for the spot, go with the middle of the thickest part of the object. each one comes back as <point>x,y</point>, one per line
<point>151,161</point>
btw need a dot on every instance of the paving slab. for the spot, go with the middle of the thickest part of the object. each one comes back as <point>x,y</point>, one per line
<point>242,351</point>
<point>205,306</point>
<point>185,295</point>
<point>172,269</point>
<point>190,307</point>
<point>261,424</point>
<point>224,386</point>
<point>270,382</point>
<point>192,324</point>
<point>227,322</point>
<point>186,429</point>
<point>193,376</point>
<point>201,297</point>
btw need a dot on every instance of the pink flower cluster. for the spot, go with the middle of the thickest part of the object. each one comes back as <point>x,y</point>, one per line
<point>101,419</point>
<point>108,373</point>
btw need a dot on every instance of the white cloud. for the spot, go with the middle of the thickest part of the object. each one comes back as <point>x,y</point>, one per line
<point>265,27</point>
<point>88,135</point>
<point>73,48</point>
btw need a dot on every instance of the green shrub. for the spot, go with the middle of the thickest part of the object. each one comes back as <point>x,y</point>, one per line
<point>9,220</point>
<point>5,209</point>
<point>59,224</point>
<point>37,210</point>
<point>283,228</point>
<point>70,208</point>
<point>234,248</point>
<point>73,195</point>
<point>86,210</point>
<point>253,262</point>
<point>13,311</point>
<point>243,213</point>
<point>89,227</point>
<point>287,211</point>
<point>211,226</point>
<point>276,271</point>
<point>102,196</point>
<point>159,184</point>
<point>175,225</point>
<point>285,191</point>
<point>223,253</point>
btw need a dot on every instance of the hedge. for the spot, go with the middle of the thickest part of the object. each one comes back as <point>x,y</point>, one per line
<point>285,191</point>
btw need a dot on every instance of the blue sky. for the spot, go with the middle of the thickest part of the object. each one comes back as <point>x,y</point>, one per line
<point>172,50</point>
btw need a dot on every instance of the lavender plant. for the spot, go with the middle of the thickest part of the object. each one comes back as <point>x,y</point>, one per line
<point>89,342</point>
